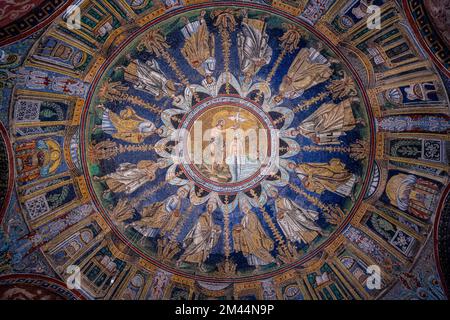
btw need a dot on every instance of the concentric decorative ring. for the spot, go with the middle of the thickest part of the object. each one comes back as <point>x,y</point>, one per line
<point>169,113</point>
<point>267,129</point>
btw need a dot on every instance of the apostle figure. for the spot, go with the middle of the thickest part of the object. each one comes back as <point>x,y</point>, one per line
<point>202,238</point>
<point>332,176</point>
<point>161,217</point>
<point>148,77</point>
<point>308,69</point>
<point>298,224</point>
<point>171,3</point>
<point>329,122</point>
<point>130,177</point>
<point>250,238</point>
<point>253,47</point>
<point>127,125</point>
<point>199,47</point>
<point>122,211</point>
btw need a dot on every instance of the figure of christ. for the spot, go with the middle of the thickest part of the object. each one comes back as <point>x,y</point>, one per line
<point>129,177</point>
<point>298,224</point>
<point>329,122</point>
<point>308,69</point>
<point>250,238</point>
<point>126,126</point>
<point>238,160</point>
<point>199,47</point>
<point>332,176</point>
<point>148,77</point>
<point>235,159</point>
<point>237,148</point>
<point>201,239</point>
<point>253,47</point>
<point>161,217</point>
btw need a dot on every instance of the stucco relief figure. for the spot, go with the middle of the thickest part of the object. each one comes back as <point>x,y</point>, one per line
<point>251,239</point>
<point>298,224</point>
<point>332,176</point>
<point>126,126</point>
<point>253,47</point>
<point>309,68</point>
<point>199,47</point>
<point>129,177</point>
<point>201,239</point>
<point>328,123</point>
<point>158,285</point>
<point>148,77</point>
<point>161,217</point>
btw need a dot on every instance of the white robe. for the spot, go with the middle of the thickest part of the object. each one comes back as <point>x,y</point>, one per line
<point>252,45</point>
<point>297,221</point>
<point>130,176</point>
<point>201,240</point>
<point>149,76</point>
<point>329,122</point>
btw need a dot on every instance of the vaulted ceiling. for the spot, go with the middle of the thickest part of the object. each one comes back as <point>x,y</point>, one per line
<point>240,150</point>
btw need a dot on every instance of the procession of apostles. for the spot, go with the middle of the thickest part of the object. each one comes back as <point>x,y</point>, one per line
<point>192,149</point>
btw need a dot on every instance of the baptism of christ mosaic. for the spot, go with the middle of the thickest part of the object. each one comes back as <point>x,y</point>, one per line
<point>219,148</point>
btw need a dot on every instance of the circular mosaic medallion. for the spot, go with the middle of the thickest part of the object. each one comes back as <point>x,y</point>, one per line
<point>227,144</point>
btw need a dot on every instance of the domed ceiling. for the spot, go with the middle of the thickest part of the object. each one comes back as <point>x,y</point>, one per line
<point>201,150</point>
